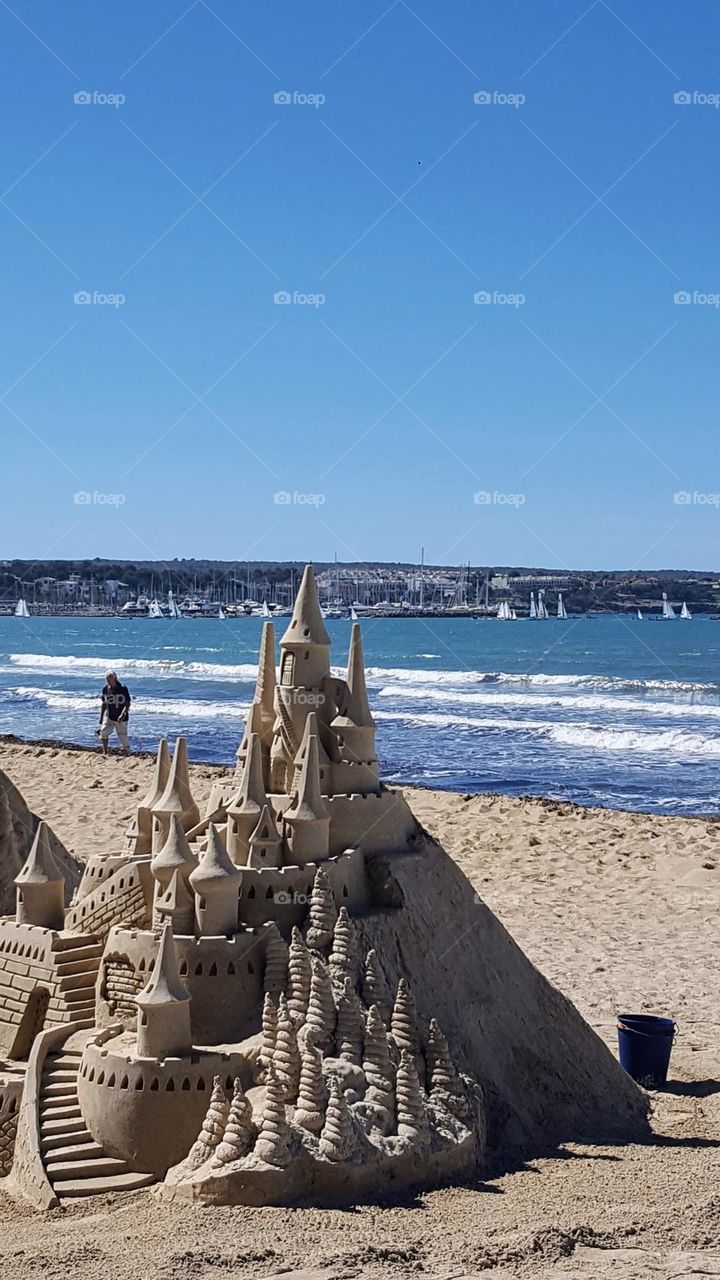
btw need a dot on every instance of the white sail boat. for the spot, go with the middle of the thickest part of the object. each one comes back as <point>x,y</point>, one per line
<point>265,612</point>
<point>353,615</point>
<point>221,614</point>
<point>561,610</point>
<point>173,611</point>
<point>639,615</point>
<point>503,611</point>
<point>21,609</point>
<point>541,608</point>
<point>154,610</point>
<point>667,609</point>
<point>533,606</point>
<point>513,616</point>
<point>685,612</point>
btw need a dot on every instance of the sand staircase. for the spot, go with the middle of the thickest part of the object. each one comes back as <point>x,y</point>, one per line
<point>76,964</point>
<point>74,1163</point>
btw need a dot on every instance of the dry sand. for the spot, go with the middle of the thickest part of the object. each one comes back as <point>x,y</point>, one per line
<point>618,910</point>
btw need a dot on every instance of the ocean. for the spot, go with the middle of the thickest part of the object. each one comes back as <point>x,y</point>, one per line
<point>600,711</point>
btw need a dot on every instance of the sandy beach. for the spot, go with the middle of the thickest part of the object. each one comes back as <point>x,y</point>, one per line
<point>618,910</point>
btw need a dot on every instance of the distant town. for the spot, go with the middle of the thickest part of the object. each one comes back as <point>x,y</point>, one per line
<point>205,588</point>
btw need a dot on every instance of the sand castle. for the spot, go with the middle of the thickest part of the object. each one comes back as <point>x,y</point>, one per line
<point>295,996</point>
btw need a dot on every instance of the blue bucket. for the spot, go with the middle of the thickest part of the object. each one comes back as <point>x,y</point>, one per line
<point>645,1042</point>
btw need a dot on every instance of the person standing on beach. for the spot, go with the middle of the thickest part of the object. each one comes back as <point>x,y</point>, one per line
<point>114,712</point>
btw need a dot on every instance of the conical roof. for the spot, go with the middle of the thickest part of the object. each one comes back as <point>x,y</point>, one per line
<point>164,986</point>
<point>175,854</point>
<point>266,829</point>
<point>214,871</point>
<point>251,794</point>
<point>307,803</point>
<point>40,866</point>
<point>266,676</point>
<point>306,625</point>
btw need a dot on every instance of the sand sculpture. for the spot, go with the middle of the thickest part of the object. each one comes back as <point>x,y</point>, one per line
<point>296,995</point>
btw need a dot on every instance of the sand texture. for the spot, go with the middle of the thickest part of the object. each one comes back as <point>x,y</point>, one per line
<point>617,910</point>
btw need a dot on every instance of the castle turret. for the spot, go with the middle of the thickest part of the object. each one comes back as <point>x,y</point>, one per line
<point>266,849</point>
<point>261,716</point>
<point>177,796</point>
<point>216,882</point>
<point>163,1029</point>
<point>173,855</point>
<point>246,806</point>
<point>138,837</point>
<point>304,673</point>
<point>176,904</point>
<point>354,725</point>
<point>40,885</point>
<point>307,818</point>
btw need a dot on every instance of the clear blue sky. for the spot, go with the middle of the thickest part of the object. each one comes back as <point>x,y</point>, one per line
<point>398,198</point>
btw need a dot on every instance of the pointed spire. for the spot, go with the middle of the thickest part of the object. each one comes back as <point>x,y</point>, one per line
<point>322,913</point>
<point>445,1083</point>
<point>299,978</point>
<point>404,1026</point>
<point>307,817</point>
<point>253,724</point>
<point>358,707</point>
<point>164,1007</point>
<point>380,1091</point>
<point>40,885</point>
<point>306,625</point>
<point>412,1114</point>
<point>350,1025</point>
<point>286,1058</point>
<point>312,1094</point>
<point>337,1141</point>
<point>177,796</point>
<point>375,988</point>
<point>216,881</point>
<point>213,1127</point>
<point>344,957</point>
<point>240,1132</point>
<point>176,905</point>
<point>276,961</point>
<point>266,681</point>
<point>320,1022</point>
<point>265,847</point>
<point>139,834</point>
<point>272,1141</point>
<point>246,806</point>
<point>268,1034</point>
<point>174,854</point>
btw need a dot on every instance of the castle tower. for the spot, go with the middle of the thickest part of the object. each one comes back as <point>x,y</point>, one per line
<point>174,855</point>
<point>163,1028</point>
<point>246,806</point>
<point>177,796</point>
<point>261,716</point>
<point>266,849</point>
<point>216,882</point>
<point>304,671</point>
<point>176,904</point>
<point>40,885</point>
<point>354,725</point>
<point>312,729</point>
<point>307,819</point>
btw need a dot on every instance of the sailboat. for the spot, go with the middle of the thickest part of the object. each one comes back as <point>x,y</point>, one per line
<point>513,616</point>
<point>21,609</point>
<point>533,606</point>
<point>685,612</point>
<point>265,612</point>
<point>221,614</point>
<point>541,608</point>
<point>561,610</point>
<point>173,611</point>
<point>667,609</point>
<point>353,615</point>
<point>154,610</point>
<point>639,615</point>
